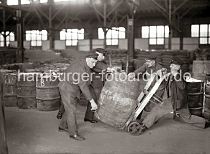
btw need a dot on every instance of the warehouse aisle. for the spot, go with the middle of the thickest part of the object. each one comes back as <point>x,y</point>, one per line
<point>31,131</point>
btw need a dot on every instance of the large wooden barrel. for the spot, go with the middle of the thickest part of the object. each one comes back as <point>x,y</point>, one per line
<point>195,97</point>
<point>200,69</point>
<point>47,93</point>
<point>26,89</point>
<point>117,100</point>
<point>9,88</point>
<point>206,107</point>
<point>3,141</point>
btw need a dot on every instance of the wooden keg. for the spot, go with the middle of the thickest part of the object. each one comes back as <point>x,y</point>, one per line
<point>206,106</point>
<point>47,93</point>
<point>117,100</point>
<point>3,141</point>
<point>195,97</point>
<point>26,89</point>
<point>200,69</point>
<point>9,88</point>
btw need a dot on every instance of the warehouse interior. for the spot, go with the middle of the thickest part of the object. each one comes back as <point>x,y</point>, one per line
<point>42,36</point>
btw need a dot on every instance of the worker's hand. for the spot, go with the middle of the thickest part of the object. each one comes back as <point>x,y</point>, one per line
<point>94,106</point>
<point>131,75</point>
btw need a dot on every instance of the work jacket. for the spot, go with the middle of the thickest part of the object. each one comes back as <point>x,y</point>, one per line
<point>78,76</point>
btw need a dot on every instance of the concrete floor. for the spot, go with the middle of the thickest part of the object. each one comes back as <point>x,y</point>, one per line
<point>31,131</point>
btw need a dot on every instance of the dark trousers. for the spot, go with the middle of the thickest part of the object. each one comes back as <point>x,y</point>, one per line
<point>70,102</point>
<point>161,110</point>
<point>89,115</point>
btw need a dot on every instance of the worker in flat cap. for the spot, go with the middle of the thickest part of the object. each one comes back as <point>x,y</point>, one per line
<point>151,66</point>
<point>96,83</point>
<point>173,106</point>
<point>77,80</point>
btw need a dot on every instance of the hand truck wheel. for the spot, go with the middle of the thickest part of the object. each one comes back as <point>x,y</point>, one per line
<point>134,128</point>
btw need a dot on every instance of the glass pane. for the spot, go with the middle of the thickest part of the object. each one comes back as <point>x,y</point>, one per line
<point>194,30</point>
<point>39,43</point>
<point>1,38</point>
<point>209,30</point>
<point>166,31</point>
<point>109,34</point>
<point>1,44</point>
<point>160,40</point>
<point>39,37</point>
<point>43,1</point>
<point>25,1</point>
<point>209,40</point>
<point>62,35</point>
<point>121,32</point>
<point>152,31</point>
<point>74,42</point>
<point>114,41</point>
<point>12,36</point>
<point>203,30</point>
<point>100,33</point>
<point>203,40</point>
<point>81,34</point>
<point>145,31</point>
<point>12,2</point>
<point>68,35</point>
<point>44,35</point>
<point>160,31</point>
<point>33,35</point>
<point>7,38</point>
<point>33,43</point>
<point>152,41</point>
<point>109,42</point>
<point>74,36</point>
<point>115,33</point>
<point>28,36</point>
<point>68,42</point>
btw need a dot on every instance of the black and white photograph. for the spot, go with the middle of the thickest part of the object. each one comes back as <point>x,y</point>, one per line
<point>104,77</point>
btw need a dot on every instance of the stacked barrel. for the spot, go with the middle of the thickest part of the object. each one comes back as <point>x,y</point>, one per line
<point>195,92</point>
<point>206,107</point>
<point>9,79</point>
<point>33,88</point>
<point>26,92</point>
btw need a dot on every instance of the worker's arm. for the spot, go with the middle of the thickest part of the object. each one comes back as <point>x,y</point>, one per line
<point>140,70</point>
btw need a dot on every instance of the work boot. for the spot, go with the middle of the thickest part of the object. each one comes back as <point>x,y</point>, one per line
<point>77,137</point>
<point>60,129</point>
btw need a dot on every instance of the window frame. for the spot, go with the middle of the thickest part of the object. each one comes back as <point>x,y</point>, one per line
<point>71,40</point>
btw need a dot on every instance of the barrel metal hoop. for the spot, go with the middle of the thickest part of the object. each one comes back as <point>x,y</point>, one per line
<point>47,99</point>
<point>49,87</point>
<point>200,93</point>
<point>19,96</point>
<point>194,108</point>
<point>9,95</point>
<point>26,85</point>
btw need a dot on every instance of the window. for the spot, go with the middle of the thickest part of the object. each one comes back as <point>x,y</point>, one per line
<point>156,34</point>
<point>113,35</point>
<point>36,37</point>
<point>10,37</point>
<point>72,36</point>
<point>15,2</point>
<point>201,31</point>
